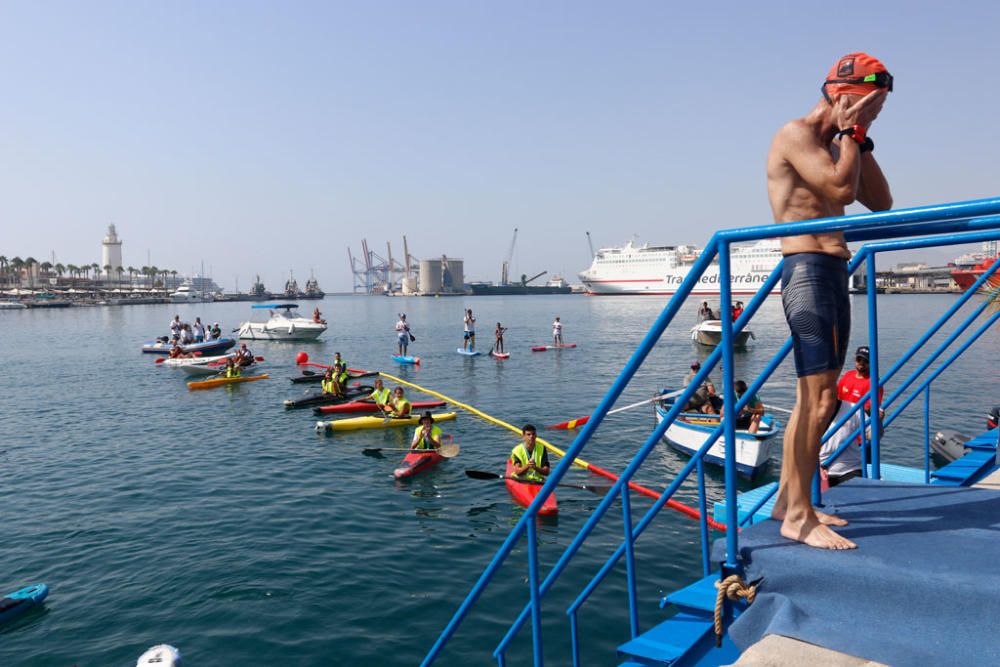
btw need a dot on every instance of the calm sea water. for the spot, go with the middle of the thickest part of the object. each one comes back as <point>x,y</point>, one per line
<point>221,523</point>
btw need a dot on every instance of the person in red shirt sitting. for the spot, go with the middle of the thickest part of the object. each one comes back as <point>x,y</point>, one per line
<point>855,384</point>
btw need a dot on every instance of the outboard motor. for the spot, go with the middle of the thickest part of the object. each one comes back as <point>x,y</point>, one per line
<point>949,445</point>
<point>993,417</point>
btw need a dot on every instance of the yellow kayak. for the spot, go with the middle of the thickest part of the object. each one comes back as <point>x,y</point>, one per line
<point>218,382</point>
<point>357,423</point>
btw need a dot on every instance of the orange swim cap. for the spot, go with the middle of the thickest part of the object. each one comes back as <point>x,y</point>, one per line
<point>856,74</point>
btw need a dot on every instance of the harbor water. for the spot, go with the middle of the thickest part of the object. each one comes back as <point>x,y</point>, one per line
<point>221,523</point>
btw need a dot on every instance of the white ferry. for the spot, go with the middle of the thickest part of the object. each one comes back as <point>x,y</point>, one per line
<point>646,269</point>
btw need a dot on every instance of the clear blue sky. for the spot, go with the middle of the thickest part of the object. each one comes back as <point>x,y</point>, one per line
<point>267,136</point>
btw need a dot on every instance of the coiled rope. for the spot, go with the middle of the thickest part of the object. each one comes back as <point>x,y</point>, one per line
<point>734,588</point>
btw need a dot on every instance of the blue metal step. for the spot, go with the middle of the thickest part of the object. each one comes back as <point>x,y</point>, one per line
<point>698,599</point>
<point>669,641</point>
<point>966,469</point>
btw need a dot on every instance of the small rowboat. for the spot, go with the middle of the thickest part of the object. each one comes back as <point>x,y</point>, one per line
<point>358,423</point>
<point>688,433</point>
<point>524,493</point>
<point>18,602</point>
<point>219,382</point>
<point>406,360</point>
<point>370,406</point>
<point>543,348</point>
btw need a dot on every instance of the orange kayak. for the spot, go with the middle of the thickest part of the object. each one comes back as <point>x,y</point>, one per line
<point>218,382</point>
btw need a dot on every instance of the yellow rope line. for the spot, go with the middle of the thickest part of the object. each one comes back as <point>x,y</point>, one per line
<point>479,413</point>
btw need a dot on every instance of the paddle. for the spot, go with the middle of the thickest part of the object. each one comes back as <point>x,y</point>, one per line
<point>449,451</point>
<point>600,490</point>
<point>573,423</point>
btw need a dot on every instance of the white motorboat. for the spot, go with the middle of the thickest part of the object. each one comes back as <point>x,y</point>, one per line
<point>709,332</point>
<point>12,305</point>
<point>186,293</point>
<point>690,430</point>
<point>285,323</point>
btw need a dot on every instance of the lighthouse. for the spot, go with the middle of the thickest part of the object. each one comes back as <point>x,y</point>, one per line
<point>111,253</point>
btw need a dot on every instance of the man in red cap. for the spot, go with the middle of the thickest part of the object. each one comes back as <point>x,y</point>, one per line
<point>817,165</point>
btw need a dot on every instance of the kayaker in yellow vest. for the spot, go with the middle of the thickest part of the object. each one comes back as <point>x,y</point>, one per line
<point>427,435</point>
<point>232,369</point>
<point>330,384</point>
<point>530,459</point>
<point>337,359</point>
<point>400,407</point>
<point>381,395</point>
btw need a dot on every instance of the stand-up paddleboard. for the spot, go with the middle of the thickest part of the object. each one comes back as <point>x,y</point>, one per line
<point>16,603</point>
<point>406,360</point>
<point>162,655</point>
<point>542,348</point>
<point>524,493</point>
<point>468,353</point>
<point>500,355</point>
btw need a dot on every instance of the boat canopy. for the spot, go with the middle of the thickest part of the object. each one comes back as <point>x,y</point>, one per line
<point>276,305</point>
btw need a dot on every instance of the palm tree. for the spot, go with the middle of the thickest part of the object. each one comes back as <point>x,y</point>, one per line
<point>107,272</point>
<point>72,268</point>
<point>97,268</point>
<point>17,264</point>
<point>119,270</point>
<point>3,269</point>
<point>131,274</point>
<point>153,272</point>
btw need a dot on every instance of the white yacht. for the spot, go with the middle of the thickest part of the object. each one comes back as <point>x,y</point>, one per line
<point>187,293</point>
<point>285,323</point>
<point>12,305</point>
<point>645,269</point>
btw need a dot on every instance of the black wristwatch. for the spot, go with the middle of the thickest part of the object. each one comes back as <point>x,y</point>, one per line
<point>867,145</point>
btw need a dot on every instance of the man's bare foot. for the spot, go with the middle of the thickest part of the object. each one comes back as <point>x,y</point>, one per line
<point>822,517</point>
<point>814,534</point>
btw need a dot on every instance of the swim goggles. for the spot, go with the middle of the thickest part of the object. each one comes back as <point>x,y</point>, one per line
<point>878,79</point>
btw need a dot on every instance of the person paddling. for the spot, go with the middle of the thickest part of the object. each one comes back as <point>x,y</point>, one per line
<point>402,334</point>
<point>427,435</point>
<point>381,395</point>
<point>330,384</point>
<point>499,336</point>
<point>400,407</point>
<point>530,459</point>
<point>337,359</point>
<point>469,339</point>
<point>244,356</point>
<point>232,368</point>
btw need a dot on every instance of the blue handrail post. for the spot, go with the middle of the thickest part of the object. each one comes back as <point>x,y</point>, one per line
<point>633,607</point>
<point>729,403</point>
<point>536,602</point>
<point>574,638</point>
<point>864,447</point>
<point>927,435</point>
<point>873,364</point>
<point>706,562</point>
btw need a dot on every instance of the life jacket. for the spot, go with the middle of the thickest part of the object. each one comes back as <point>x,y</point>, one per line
<point>519,455</point>
<point>398,409</point>
<point>381,397</point>
<point>232,371</point>
<point>330,386</point>
<point>423,444</point>
<point>342,379</point>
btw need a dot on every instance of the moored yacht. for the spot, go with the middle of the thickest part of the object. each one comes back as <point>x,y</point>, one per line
<point>285,323</point>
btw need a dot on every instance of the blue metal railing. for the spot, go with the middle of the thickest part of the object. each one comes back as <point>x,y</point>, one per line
<point>949,223</point>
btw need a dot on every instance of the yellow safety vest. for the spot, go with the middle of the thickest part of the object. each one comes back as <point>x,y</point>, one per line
<point>398,409</point>
<point>423,444</point>
<point>380,396</point>
<point>520,456</point>
<point>232,371</point>
<point>330,386</point>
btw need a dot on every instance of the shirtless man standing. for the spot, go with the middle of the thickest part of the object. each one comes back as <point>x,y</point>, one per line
<point>817,165</point>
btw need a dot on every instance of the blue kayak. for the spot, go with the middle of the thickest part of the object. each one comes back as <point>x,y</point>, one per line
<point>468,353</point>
<point>18,602</point>
<point>406,360</point>
<point>208,347</point>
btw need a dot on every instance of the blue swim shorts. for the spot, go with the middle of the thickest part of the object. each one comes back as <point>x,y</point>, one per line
<point>818,310</point>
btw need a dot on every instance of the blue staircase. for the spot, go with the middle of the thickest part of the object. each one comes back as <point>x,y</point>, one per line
<point>686,636</point>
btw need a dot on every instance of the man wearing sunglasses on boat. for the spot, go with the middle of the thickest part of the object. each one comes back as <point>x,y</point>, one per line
<point>818,165</point>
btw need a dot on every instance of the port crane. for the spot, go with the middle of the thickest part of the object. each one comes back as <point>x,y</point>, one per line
<point>505,266</point>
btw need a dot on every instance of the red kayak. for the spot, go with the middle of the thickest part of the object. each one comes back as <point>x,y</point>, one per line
<point>369,406</point>
<point>524,493</point>
<point>415,462</point>
<point>542,348</point>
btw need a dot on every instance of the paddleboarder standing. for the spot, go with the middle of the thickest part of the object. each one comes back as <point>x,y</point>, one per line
<point>816,166</point>
<point>469,340</point>
<point>403,334</point>
<point>557,332</point>
<point>498,333</point>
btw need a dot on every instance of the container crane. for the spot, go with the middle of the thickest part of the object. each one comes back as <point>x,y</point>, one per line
<point>505,267</point>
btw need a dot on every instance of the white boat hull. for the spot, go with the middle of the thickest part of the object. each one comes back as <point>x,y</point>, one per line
<point>753,450</point>
<point>709,333</point>
<point>193,361</point>
<point>299,329</point>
